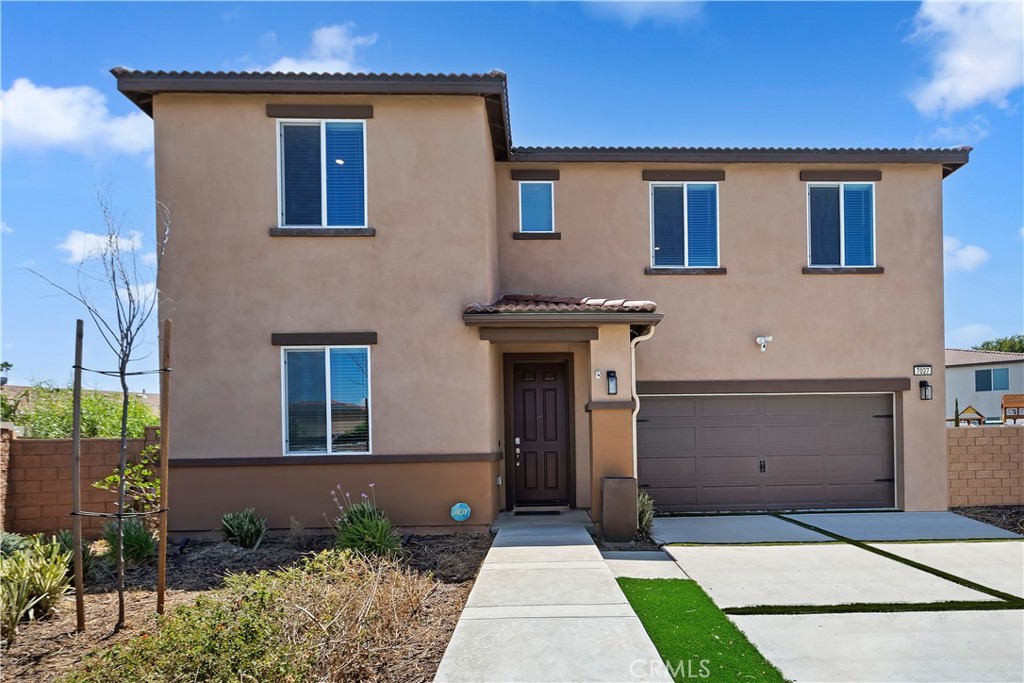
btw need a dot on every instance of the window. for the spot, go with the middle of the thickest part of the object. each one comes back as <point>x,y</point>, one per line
<point>996,379</point>
<point>323,174</point>
<point>536,206</point>
<point>841,225</point>
<point>684,225</point>
<point>326,392</point>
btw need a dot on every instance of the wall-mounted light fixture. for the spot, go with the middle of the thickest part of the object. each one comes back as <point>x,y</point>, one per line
<point>926,391</point>
<point>763,341</point>
<point>613,382</point>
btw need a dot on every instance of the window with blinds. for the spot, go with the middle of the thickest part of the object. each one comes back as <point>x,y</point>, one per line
<point>684,225</point>
<point>841,224</point>
<point>326,400</point>
<point>323,174</point>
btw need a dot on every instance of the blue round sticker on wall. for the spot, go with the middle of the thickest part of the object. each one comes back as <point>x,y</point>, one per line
<point>460,512</point>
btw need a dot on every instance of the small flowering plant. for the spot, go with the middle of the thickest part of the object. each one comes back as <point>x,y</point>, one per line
<point>362,526</point>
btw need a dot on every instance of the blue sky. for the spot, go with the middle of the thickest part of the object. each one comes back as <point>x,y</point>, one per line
<point>694,74</point>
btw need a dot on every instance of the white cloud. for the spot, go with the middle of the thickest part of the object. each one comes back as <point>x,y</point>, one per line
<point>333,50</point>
<point>979,54</point>
<point>142,290</point>
<point>656,11</point>
<point>5,229</point>
<point>149,258</point>
<point>966,336</point>
<point>73,118</point>
<point>962,257</point>
<point>968,133</point>
<point>82,246</point>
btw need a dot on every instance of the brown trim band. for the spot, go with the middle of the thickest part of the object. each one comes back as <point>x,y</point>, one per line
<point>610,405</point>
<point>539,334</point>
<point>775,386</point>
<point>876,270</point>
<point>694,174</point>
<point>334,460</point>
<point>535,174</point>
<point>323,338</point>
<point>685,271</point>
<point>536,235</point>
<point>840,176</point>
<point>323,232</point>
<point>320,111</point>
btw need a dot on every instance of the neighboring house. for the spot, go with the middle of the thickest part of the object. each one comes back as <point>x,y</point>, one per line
<point>374,242</point>
<point>981,378</point>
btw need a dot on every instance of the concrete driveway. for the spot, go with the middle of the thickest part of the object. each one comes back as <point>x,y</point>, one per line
<point>948,610</point>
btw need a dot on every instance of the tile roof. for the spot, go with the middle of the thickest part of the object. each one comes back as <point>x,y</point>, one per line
<point>125,73</point>
<point>537,303</point>
<point>957,357</point>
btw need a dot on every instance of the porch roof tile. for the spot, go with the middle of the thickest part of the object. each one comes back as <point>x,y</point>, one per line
<point>539,303</point>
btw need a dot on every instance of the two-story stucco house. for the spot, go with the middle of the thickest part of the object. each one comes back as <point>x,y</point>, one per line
<point>370,284</point>
<point>980,379</point>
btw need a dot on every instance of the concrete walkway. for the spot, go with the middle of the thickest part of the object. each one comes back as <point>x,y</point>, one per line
<point>545,607</point>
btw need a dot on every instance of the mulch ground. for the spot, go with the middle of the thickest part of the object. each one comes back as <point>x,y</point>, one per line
<point>1009,517</point>
<point>46,649</point>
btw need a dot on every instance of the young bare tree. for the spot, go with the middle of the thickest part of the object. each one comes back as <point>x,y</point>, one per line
<point>111,271</point>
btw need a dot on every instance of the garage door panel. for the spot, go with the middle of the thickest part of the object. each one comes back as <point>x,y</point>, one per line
<point>731,406</point>
<point>792,435</point>
<point>730,435</point>
<point>810,406</point>
<point>819,451</point>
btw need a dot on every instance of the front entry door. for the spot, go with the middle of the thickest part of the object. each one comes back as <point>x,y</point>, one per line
<point>540,444</point>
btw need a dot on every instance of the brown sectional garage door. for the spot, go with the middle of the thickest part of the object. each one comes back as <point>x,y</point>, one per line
<point>755,452</point>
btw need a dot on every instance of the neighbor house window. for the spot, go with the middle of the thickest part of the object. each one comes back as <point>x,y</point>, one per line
<point>684,225</point>
<point>536,206</point>
<point>995,379</point>
<point>841,224</point>
<point>326,400</point>
<point>323,174</point>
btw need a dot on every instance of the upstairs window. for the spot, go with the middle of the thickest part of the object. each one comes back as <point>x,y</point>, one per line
<point>323,174</point>
<point>326,400</point>
<point>536,206</point>
<point>684,225</point>
<point>841,225</point>
<point>994,379</point>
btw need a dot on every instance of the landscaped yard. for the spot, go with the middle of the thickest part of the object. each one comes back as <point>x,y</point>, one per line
<point>345,617</point>
<point>693,636</point>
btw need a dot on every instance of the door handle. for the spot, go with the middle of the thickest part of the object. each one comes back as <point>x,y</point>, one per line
<point>517,454</point>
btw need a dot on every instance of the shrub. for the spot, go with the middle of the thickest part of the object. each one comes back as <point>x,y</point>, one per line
<point>336,616</point>
<point>34,578</point>
<point>11,543</point>
<point>645,510</point>
<point>139,542</point>
<point>45,411</point>
<point>244,528</point>
<point>364,527</point>
<point>66,540</point>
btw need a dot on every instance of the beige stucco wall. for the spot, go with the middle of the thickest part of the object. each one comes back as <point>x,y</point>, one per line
<point>825,326</point>
<point>228,285</point>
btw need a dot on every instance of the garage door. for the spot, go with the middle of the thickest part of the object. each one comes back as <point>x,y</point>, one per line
<point>767,452</point>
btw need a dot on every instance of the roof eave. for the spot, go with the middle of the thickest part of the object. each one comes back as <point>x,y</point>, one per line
<point>567,319</point>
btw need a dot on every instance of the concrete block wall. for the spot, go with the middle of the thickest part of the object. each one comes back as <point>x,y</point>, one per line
<point>38,482</point>
<point>986,465</point>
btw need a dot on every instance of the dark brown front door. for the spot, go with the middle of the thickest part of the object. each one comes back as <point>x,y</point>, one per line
<point>540,444</point>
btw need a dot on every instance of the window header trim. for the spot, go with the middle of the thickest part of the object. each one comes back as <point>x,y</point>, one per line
<point>320,111</point>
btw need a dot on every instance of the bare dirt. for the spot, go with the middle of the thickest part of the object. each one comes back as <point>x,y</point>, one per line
<point>46,649</point>
<point>1009,517</point>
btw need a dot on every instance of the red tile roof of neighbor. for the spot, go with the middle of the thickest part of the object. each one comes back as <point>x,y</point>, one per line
<point>538,303</point>
<point>956,357</point>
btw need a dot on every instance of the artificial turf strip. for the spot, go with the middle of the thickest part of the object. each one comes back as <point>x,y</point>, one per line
<point>693,637</point>
<point>966,583</point>
<point>861,607</point>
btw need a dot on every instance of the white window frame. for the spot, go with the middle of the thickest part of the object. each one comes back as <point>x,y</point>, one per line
<point>551,185</point>
<point>842,223</point>
<point>327,397</point>
<point>323,172</point>
<point>991,380</point>
<point>686,220</point>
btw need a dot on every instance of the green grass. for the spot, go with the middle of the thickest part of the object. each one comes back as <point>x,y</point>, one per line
<point>692,635</point>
